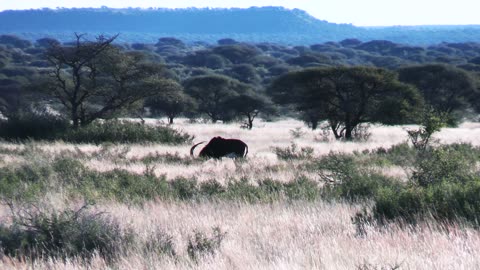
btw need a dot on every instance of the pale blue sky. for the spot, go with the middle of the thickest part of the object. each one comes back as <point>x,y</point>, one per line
<point>357,12</point>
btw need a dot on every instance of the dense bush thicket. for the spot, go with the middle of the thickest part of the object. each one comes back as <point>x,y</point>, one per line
<point>39,127</point>
<point>117,131</point>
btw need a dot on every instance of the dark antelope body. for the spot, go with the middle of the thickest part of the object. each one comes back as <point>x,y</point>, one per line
<point>219,147</point>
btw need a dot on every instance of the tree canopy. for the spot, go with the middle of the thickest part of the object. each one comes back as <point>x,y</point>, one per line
<point>446,88</point>
<point>348,96</point>
<point>212,92</point>
<point>94,79</point>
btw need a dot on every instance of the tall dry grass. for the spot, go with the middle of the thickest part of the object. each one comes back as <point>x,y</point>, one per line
<point>283,236</point>
<point>280,235</point>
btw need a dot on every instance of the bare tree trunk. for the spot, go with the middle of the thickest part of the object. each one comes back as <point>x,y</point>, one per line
<point>75,117</point>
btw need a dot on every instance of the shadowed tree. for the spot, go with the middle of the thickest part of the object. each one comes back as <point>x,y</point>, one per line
<point>237,53</point>
<point>94,79</point>
<point>171,102</point>
<point>446,88</point>
<point>211,92</point>
<point>311,117</point>
<point>249,105</point>
<point>245,73</point>
<point>347,96</point>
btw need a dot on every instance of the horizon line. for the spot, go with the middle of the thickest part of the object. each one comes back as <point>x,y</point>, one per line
<point>244,8</point>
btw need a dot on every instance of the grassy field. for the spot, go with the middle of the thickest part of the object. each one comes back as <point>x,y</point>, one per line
<point>299,231</point>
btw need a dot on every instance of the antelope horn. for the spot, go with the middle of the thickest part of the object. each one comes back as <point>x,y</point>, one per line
<point>193,148</point>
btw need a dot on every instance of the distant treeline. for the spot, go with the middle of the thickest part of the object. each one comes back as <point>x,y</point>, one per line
<point>295,27</point>
<point>195,75</point>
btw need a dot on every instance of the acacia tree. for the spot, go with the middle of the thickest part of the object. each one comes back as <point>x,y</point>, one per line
<point>94,79</point>
<point>171,103</point>
<point>446,88</point>
<point>212,92</point>
<point>249,105</point>
<point>348,96</point>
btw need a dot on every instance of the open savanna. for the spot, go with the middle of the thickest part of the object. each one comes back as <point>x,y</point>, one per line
<point>279,233</point>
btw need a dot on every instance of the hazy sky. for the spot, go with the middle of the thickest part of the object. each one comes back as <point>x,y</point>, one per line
<point>357,12</point>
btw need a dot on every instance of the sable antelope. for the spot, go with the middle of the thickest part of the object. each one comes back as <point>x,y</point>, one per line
<point>219,147</point>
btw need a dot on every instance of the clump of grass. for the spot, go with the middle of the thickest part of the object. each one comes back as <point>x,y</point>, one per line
<point>160,244</point>
<point>166,158</point>
<point>292,152</point>
<point>201,244</point>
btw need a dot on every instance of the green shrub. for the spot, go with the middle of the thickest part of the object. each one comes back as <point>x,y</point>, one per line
<point>25,182</point>
<point>183,188</point>
<point>292,152</point>
<point>47,127</point>
<point>455,201</point>
<point>32,126</point>
<point>273,188</point>
<point>124,186</point>
<point>244,191</point>
<point>406,204</point>
<point>444,201</point>
<point>337,167</point>
<point>117,131</point>
<point>302,188</point>
<point>401,154</point>
<point>346,179</point>
<point>211,189</point>
<point>70,171</point>
<point>364,186</point>
<point>445,163</point>
<point>64,234</point>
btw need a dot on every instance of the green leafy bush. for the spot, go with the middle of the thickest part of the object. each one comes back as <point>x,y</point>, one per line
<point>124,186</point>
<point>242,190</point>
<point>444,186</point>
<point>346,179</point>
<point>302,188</point>
<point>445,201</point>
<point>400,154</point>
<point>184,188</point>
<point>26,182</point>
<point>443,164</point>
